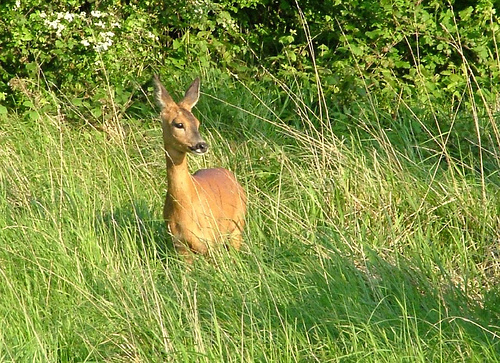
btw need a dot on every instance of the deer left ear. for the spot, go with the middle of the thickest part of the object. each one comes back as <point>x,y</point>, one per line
<point>163,99</point>
<point>192,95</point>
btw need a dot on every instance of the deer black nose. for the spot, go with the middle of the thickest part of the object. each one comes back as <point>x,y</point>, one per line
<point>200,148</point>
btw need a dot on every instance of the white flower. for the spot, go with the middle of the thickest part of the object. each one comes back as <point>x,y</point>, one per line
<point>101,24</point>
<point>108,35</point>
<point>102,46</point>
<point>115,24</point>
<point>96,14</point>
<point>69,17</point>
<point>18,4</point>
<point>43,15</point>
<point>85,42</point>
<point>60,28</point>
<point>56,25</point>
<point>99,48</point>
<point>52,24</point>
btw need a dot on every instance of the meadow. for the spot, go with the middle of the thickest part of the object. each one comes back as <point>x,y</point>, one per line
<point>361,247</point>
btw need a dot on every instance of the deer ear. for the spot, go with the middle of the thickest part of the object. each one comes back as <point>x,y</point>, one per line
<point>163,99</point>
<point>192,95</point>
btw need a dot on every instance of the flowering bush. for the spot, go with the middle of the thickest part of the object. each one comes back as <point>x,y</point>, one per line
<point>97,53</point>
<point>91,57</point>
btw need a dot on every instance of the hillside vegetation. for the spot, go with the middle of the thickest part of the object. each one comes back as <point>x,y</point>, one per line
<point>368,147</point>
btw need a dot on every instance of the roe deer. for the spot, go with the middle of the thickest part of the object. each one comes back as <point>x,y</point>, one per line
<point>204,208</point>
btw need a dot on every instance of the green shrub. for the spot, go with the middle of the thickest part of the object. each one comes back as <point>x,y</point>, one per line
<point>90,56</point>
<point>392,53</point>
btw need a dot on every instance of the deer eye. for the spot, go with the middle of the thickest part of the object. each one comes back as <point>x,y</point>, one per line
<point>178,125</point>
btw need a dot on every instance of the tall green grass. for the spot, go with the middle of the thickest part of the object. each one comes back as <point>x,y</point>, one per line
<point>356,249</point>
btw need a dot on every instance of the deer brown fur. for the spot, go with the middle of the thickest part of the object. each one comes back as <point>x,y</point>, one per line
<point>208,207</point>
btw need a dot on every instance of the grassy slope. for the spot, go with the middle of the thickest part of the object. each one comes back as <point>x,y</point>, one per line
<point>352,254</point>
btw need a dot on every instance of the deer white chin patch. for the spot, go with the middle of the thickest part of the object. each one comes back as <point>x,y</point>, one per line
<point>198,151</point>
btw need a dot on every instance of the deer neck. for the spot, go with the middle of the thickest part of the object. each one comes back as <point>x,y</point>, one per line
<point>180,182</point>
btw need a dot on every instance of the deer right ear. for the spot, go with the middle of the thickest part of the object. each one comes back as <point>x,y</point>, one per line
<point>192,95</point>
<point>163,99</point>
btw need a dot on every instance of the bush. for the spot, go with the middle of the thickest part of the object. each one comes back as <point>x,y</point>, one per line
<point>86,55</point>
<point>94,52</point>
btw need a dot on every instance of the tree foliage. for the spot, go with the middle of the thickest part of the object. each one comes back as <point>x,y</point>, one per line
<point>427,50</point>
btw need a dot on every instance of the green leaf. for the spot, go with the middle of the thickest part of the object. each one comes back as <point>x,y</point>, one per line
<point>34,115</point>
<point>374,33</point>
<point>28,104</point>
<point>356,50</point>
<point>77,102</point>
<point>176,44</point>
<point>96,112</point>
<point>31,66</point>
